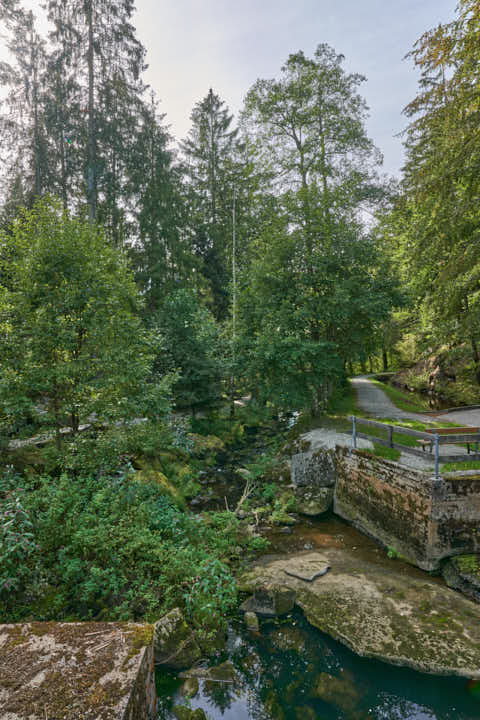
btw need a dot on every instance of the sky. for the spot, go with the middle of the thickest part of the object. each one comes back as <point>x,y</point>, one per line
<point>193,45</point>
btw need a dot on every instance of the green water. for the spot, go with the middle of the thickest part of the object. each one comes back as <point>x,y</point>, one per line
<point>291,671</point>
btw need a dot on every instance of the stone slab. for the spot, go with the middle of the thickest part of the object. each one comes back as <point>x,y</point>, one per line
<point>307,568</point>
<point>68,671</point>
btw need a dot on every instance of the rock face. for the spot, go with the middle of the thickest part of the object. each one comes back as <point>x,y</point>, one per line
<point>405,619</point>
<point>174,642</point>
<point>93,671</point>
<point>463,573</point>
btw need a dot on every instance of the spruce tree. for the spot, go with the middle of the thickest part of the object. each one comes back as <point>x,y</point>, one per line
<point>209,156</point>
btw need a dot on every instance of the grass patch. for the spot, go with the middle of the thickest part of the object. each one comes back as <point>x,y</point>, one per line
<point>402,399</point>
<point>342,404</point>
<point>386,452</point>
<point>468,465</point>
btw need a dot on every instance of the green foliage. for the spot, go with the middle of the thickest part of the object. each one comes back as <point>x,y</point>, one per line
<point>190,346</point>
<point>317,289</point>
<point>435,223</point>
<point>17,546</point>
<point>209,153</point>
<point>212,593</point>
<point>114,548</point>
<point>392,553</point>
<point>269,492</point>
<point>461,466</point>
<point>71,341</point>
<point>104,452</point>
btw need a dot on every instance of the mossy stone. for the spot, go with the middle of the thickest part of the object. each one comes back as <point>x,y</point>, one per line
<point>175,644</point>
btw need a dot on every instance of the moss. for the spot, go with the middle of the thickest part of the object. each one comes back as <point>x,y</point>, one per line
<point>149,475</point>
<point>469,565</point>
<point>141,637</point>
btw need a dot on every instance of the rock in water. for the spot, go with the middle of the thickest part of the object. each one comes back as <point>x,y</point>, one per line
<point>174,642</point>
<point>182,712</point>
<point>251,621</point>
<point>190,687</point>
<point>406,619</point>
<point>270,599</point>
<point>287,638</point>
<point>313,501</point>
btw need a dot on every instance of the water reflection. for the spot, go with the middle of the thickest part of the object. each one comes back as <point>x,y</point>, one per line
<point>290,671</point>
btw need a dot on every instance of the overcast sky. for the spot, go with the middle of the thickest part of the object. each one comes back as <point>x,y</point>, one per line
<point>193,45</point>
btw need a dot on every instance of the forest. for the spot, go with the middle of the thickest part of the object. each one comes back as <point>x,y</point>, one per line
<point>162,298</point>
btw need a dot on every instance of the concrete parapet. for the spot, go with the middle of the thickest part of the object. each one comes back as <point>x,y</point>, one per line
<point>68,671</point>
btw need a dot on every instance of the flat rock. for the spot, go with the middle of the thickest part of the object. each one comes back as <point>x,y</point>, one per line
<point>307,568</point>
<point>404,618</point>
<point>67,671</point>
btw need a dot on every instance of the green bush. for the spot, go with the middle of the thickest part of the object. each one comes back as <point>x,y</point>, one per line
<point>17,546</point>
<point>112,548</point>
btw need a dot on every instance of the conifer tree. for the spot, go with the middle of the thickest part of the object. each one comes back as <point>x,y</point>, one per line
<point>209,157</point>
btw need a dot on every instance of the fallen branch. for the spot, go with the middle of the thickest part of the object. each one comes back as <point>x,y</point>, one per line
<point>247,492</point>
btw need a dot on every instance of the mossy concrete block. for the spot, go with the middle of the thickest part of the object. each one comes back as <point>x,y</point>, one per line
<point>67,671</point>
<point>405,618</point>
<point>175,644</point>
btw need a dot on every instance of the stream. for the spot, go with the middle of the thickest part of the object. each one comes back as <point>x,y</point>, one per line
<point>289,670</point>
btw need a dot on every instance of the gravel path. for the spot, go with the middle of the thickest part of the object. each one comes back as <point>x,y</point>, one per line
<point>375,402</point>
<point>372,400</point>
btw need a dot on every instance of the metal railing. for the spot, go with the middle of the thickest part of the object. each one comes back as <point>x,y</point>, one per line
<point>435,440</point>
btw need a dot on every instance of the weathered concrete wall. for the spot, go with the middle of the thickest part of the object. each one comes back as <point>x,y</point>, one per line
<point>424,519</point>
<point>93,671</point>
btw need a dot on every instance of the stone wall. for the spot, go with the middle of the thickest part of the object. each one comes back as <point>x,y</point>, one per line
<point>423,519</point>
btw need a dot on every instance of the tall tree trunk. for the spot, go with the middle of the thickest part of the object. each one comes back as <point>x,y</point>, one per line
<point>36,130</point>
<point>91,177</point>
<point>385,359</point>
<point>473,343</point>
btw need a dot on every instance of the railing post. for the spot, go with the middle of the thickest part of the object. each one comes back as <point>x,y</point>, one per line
<point>354,432</point>
<point>436,456</point>
<point>390,436</point>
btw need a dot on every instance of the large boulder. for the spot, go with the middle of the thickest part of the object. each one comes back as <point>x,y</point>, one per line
<point>270,599</point>
<point>404,618</point>
<point>314,469</point>
<point>174,642</point>
<point>313,501</point>
<point>463,573</point>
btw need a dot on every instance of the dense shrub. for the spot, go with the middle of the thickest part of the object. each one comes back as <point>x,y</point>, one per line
<point>114,548</point>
